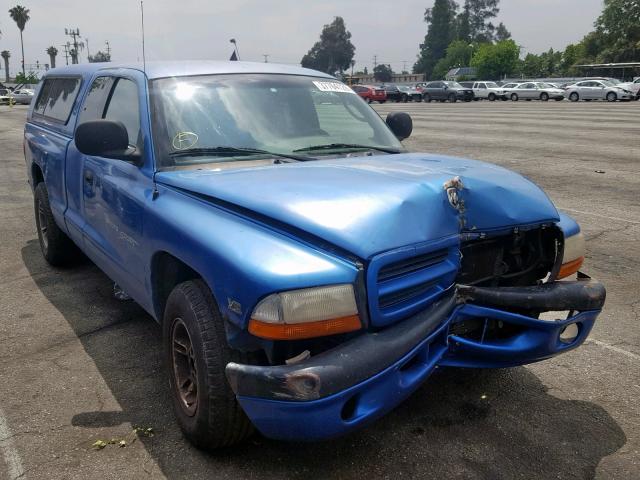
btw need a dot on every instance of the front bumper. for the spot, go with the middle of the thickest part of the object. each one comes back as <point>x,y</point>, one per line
<point>359,381</point>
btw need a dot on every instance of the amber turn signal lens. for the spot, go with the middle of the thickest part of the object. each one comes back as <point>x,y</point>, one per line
<point>568,269</point>
<point>299,331</point>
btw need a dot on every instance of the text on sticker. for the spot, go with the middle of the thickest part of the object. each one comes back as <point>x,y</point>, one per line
<point>333,87</point>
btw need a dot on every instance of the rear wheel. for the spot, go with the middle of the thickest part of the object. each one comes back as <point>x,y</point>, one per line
<point>196,353</point>
<point>544,96</point>
<point>58,249</point>
<point>611,97</point>
<point>514,97</point>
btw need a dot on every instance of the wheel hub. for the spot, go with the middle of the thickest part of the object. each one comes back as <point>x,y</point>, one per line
<point>185,371</point>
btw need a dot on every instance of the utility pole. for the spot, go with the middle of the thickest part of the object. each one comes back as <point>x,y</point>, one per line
<point>404,64</point>
<point>74,34</point>
<point>375,61</point>
<point>66,53</point>
<point>106,42</point>
<point>88,52</point>
<point>266,57</point>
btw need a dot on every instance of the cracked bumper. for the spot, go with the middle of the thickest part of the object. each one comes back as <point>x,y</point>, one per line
<point>359,381</point>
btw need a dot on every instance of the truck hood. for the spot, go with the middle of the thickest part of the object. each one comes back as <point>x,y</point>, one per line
<point>371,204</point>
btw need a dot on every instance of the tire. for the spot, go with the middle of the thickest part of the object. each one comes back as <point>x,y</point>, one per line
<point>382,101</point>
<point>559,99</point>
<point>544,96</point>
<point>427,98</point>
<point>492,97</point>
<point>196,353</point>
<point>611,97</point>
<point>405,98</point>
<point>57,248</point>
<point>452,98</point>
<point>514,97</point>
<point>574,97</point>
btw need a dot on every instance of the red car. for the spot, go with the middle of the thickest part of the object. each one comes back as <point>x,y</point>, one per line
<point>370,94</point>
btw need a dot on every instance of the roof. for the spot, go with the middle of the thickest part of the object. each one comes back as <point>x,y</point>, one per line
<point>189,67</point>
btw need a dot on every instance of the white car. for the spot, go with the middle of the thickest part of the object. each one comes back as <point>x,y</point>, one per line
<point>598,90</point>
<point>22,96</point>
<point>488,90</point>
<point>536,91</point>
<point>4,96</point>
<point>633,87</point>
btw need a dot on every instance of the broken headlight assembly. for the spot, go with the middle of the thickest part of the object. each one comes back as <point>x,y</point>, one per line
<point>573,256</point>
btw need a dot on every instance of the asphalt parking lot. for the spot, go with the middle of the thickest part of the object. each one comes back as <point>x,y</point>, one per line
<point>77,366</point>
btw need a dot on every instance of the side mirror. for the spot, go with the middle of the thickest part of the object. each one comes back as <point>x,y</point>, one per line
<point>105,138</point>
<point>446,87</point>
<point>400,124</point>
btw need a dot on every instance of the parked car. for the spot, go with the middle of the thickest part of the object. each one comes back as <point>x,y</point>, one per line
<point>22,96</point>
<point>412,93</point>
<point>598,90</point>
<point>632,87</point>
<point>535,91</point>
<point>371,94</point>
<point>394,93</point>
<point>446,91</point>
<point>308,273</point>
<point>488,90</point>
<point>4,96</point>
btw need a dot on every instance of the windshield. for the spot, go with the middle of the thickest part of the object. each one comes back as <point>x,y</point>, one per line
<point>492,85</point>
<point>453,84</point>
<point>267,112</point>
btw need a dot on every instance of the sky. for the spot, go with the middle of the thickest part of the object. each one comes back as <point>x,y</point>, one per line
<point>283,29</point>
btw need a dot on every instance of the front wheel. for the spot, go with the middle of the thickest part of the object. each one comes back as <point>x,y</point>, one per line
<point>452,98</point>
<point>514,97</point>
<point>492,97</point>
<point>611,97</point>
<point>574,97</point>
<point>196,354</point>
<point>544,97</point>
<point>427,98</point>
<point>58,249</point>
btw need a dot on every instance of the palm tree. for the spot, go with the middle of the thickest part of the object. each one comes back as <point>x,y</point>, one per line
<point>5,55</point>
<point>20,15</point>
<point>52,52</point>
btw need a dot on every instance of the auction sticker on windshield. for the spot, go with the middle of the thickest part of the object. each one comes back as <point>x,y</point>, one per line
<point>333,87</point>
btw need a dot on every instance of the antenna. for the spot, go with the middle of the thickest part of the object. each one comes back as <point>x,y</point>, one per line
<point>144,60</point>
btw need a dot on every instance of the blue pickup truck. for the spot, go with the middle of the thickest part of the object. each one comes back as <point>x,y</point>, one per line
<point>308,273</point>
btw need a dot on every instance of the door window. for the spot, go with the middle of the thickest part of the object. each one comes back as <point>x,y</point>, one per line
<point>93,107</point>
<point>123,107</point>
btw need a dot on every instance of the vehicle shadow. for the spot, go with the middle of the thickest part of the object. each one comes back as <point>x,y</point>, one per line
<point>460,424</point>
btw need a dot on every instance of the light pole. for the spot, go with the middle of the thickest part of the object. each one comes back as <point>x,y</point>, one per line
<point>235,44</point>
<point>88,52</point>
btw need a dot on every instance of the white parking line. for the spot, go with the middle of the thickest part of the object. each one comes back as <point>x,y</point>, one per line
<point>608,217</point>
<point>614,348</point>
<point>9,452</point>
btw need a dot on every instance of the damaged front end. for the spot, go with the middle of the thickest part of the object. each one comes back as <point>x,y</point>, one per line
<point>488,297</point>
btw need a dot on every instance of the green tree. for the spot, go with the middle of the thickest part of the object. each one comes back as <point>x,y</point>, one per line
<point>619,29</point>
<point>29,78</point>
<point>502,33</point>
<point>459,54</point>
<point>494,61</point>
<point>383,73</point>
<point>441,29</point>
<point>480,13</point>
<point>333,52</point>
<point>531,66</point>
<point>52,52</point>
<point>20,15</point>
<point>571,56</point>
<point>99,57</point>
<point>5,56</point>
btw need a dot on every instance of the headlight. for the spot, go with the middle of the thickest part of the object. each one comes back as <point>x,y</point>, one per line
<point>307,313</point>
<point>573,257</point>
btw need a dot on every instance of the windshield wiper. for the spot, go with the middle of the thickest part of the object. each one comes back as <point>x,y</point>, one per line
<point>235,151</point>
<point>336,146</point>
